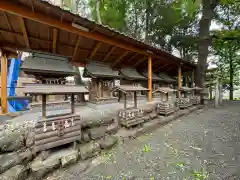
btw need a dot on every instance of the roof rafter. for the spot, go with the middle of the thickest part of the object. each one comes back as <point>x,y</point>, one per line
<point>140,61</point>
<point>109,53</point>
<point>118,60</point>
<point>24,31</point>
<point>76,48</point>
<point>96,47</point>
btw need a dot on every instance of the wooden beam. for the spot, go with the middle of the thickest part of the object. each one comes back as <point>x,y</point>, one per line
<point>120,58</point>
<point>109,53</point>
<point>54,43</point>
<point>161,67</point>
<point>96,47</point>
<point>150,78</point>
<point>3,83</point>
<point>139,61</point>
<point>134,56</point>
<point>22,11</point>
<point>76,48</point>
<point>24,31</point>
<point>179,80</point>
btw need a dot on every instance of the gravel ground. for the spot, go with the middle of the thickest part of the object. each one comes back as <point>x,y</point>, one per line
<point>204,144</point>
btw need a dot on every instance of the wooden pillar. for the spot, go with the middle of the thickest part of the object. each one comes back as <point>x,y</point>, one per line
<point>72,104</point>
<point>135,99</point>
<point>193,78</point>
<point>150,78</point>
<point>44,105</point>
<point>4,83</point>
<point>179,80</point>
<point>125,100</point>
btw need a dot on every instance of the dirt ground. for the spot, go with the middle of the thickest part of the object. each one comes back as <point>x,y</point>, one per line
<point>202,145</point>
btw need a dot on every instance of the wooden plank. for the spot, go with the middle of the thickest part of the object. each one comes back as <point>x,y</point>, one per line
<point>24,31</point>
<point>56,143</point>
<point>179,80</point>
<point>109,53</point>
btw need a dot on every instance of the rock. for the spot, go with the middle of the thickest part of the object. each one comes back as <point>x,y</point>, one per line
<point>7,161</point>
<point>11,141</point>
<point>45,154</point>
<point>98,132</point>
<point>18,172</point>
<point>30,137</point>
<point>25,156</point>
<point>40,168</point>
<point>85,137</point>
<point>148,110</point>
<point>69,158</point>
<point>153,115</point>
<point>95,119</point>
<point>113,128</point>
<point>108,142</point>
<point>89,150</point>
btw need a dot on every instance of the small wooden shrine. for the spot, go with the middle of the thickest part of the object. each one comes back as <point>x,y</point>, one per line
<point>130,116</point>
<point>102,81</point>
<point>59,129</point>
<point>156,83</point>
<point>166,105</point>
<point>184,101</point>
<point>48,68</point>
<point>196,96</point>
<point>130,76</point>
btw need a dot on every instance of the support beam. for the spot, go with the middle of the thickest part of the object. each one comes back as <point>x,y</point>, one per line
<point>24,31</point>
<point>179,80</point>
<point>54,43</point>
<point>139,62</point>
<point>120,58</point>
<point>4,83</point>
<point>20,10</point>
<point>161,67</point>
<point>96,47</point>
<point>150,78</point>
<point>109,53</point>
<point>134,56</point>
<point>76,48</point>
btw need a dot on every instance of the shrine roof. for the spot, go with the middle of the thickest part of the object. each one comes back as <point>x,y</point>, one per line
<point>186,89</point>
<point>166,78</point>
<point>46,63</point>
<point>131,74</point>
<point>52,89</point>
<point>164,90</point>
<point>128,88</point>
<point>154,76</point>
<point>95,69</point>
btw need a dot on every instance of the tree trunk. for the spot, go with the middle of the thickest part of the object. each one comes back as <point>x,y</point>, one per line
<point>98,5</point>
<point>204,39</point>
<point>78,81</point>
<point>75,6</point>
<point>147,21</point>
<point>231,80</point>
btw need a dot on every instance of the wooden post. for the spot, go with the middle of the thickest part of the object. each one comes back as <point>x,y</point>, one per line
<point>4,83</point>
<point>179,80</point>
<point>193,77</point>
<point>44,106</point>
<point>150,78</point>
<point>135,99</point>
<point>72,104</point>
<point>125,100</point>
<point>216,94</point>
